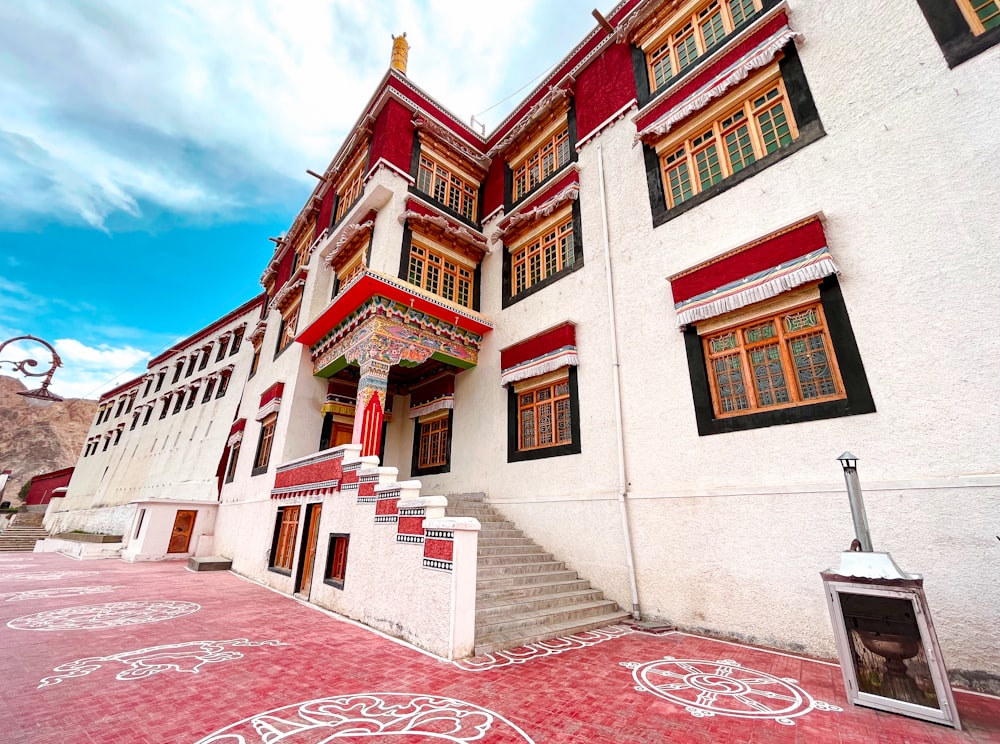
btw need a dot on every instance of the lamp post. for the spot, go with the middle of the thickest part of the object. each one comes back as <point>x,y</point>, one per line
<point>42,394</point>
<point>850,464</point>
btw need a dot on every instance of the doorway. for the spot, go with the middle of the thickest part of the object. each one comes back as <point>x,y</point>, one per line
<point>311,538</point>
<point>180,536</point>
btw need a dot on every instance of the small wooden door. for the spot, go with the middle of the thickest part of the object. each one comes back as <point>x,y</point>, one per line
<point>309,554</point>
<point>342,434</point>
<point>180,538</point>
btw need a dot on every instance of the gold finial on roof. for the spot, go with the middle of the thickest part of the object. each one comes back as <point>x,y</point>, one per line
<point>400,51</point>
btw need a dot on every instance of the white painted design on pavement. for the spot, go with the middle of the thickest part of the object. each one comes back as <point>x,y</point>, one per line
<point>378,715</point>
<point>44,575</point>
<point>724,688</point>
<point>146,662</point>
<point>103,616</point>
<point>551,647</point>
<point>56,591</point>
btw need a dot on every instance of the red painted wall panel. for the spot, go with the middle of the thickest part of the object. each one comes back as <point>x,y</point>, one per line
<point>325,212</point>
<point>493,186</point>
<point>315,472</point>
<point>442,550</point>
<point>604,87</point>
<point>392,137</point>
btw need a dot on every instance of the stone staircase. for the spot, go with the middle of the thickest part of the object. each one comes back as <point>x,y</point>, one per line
<point>21,534</point>
<point>523,594</point>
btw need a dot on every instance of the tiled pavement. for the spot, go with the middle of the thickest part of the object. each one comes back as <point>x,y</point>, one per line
<point>377,690</point>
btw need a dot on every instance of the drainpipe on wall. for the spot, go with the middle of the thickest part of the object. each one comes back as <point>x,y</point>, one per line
<point>620,435</point>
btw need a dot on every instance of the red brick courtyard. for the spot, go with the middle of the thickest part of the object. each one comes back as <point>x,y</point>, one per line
<point>107,651</point>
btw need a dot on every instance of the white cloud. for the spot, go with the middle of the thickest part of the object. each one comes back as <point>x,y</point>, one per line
<point>209,108</point>
<point>89,371</point>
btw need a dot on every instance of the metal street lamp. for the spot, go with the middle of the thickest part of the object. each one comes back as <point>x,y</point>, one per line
<point>42,394</point>
<point>850,464</point>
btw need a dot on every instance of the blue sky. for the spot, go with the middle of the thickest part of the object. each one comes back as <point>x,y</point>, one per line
<point>148,150</point>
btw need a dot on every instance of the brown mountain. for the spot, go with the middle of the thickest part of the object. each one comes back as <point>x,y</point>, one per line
<point>37,440</point>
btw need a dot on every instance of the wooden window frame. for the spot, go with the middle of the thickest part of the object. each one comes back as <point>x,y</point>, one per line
<point>234,456</point>
<point>159,380</point>
<point>447,186</point>
<point>783,339</point>
<point>223,384</point>
<point>254,360</point>
<point>206,355</point>
<point>548,243</point>
<point>440,425</point>
<point>958,30</point>
<point>289,320</point>
<point>335,573</point>
<point>686,150</point>
<point>209,387</point>
<point>179,402</point>
<point>166,407</point>
<point>350,187</point>
<point>149,415</point>
<point>530,170</point>
<point>516,451</point>
<point>192,397</point>
<point>223,344</point>
<point>972,17</point>
<point>424,260</point>
<point>286,527</point>
<point>234,347</point>
<point>857,398</point>
<point>265,444</point>
<point>787,76</point>
<point>525,238</point>
<point>673,40</point>
<point>178,368</point>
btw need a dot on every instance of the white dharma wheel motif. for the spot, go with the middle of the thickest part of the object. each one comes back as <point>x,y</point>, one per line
<point>724,688</point>
<point>103,616</point>
<point>374,716</point>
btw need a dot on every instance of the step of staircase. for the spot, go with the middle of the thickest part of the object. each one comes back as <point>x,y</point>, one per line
<point>489,644</point>
<point>22,533</point>
<point>523,593</point>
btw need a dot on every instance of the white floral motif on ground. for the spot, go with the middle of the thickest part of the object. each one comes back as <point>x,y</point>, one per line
<point>45,575</point>
<point>56,591</point>
<point>103,616</point>
<point>538,650</point>
<point>724,688</point>
<point>378,715</point>
<point>145,662</point>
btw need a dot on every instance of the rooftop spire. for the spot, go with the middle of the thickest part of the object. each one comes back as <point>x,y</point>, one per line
<point>400,52</point>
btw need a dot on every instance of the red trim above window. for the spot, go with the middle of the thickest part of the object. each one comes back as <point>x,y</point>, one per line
<point>439,387</point>
<point>272,392</point>
<point>238,425</point>
<point>538,345</point>
<point>784,245</point>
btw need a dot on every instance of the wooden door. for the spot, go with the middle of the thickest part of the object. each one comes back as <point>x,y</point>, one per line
<point>180,538</point>
<point>342,434</point>
<point>309,554</point>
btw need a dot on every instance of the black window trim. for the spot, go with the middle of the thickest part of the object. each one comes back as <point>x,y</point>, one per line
<point>329,560</point>
<point>437,469</point>
<point>806,118</point>
<point>506,299</point>
<point>852,371</point>
<point>573,448</point>
<point>951,30</point>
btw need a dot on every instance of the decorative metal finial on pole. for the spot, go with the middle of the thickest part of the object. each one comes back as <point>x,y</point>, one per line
<point>42,394</point>
<point>850,465</point>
